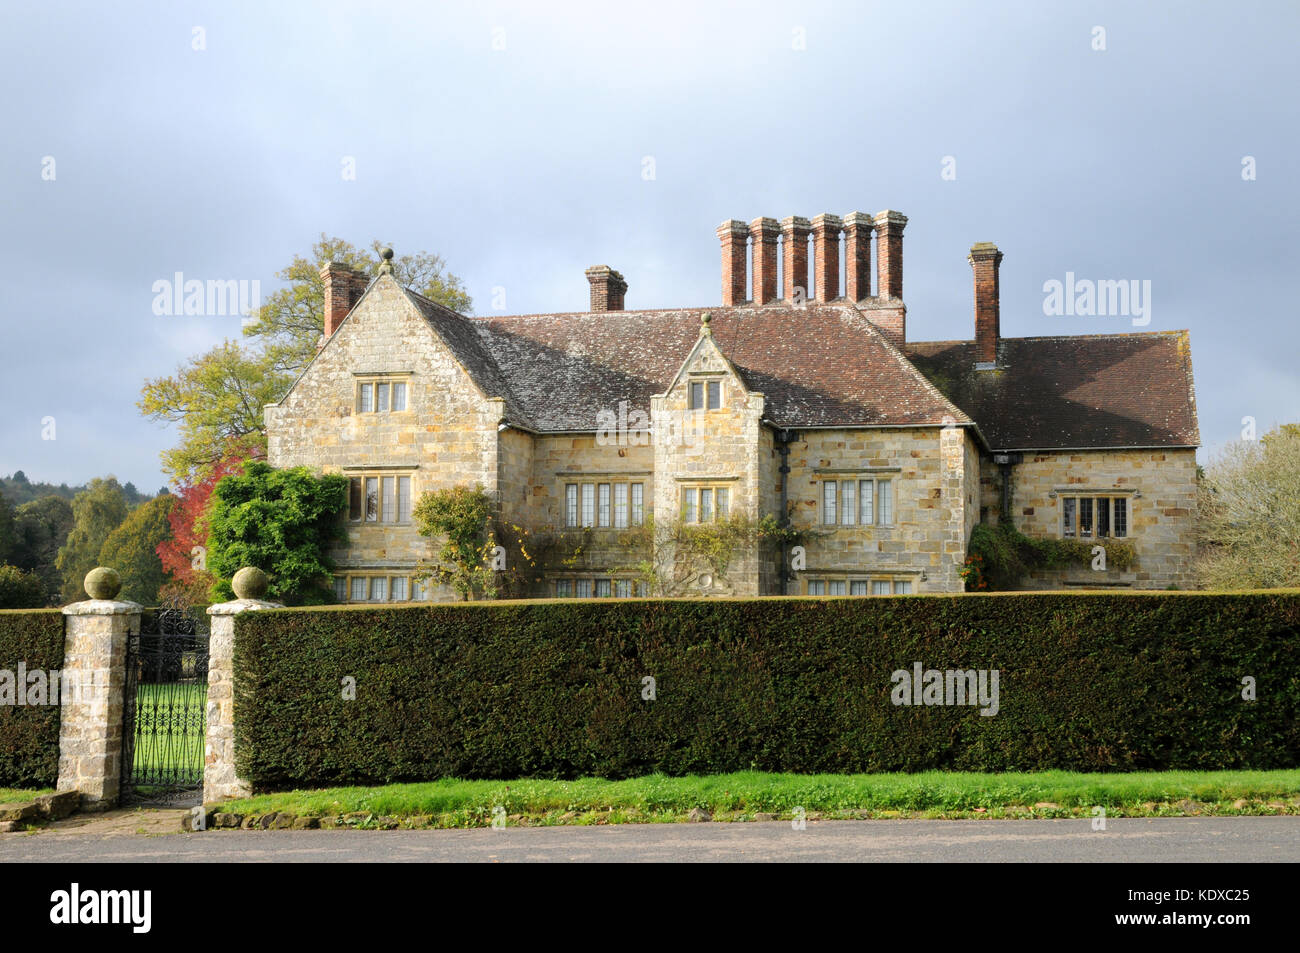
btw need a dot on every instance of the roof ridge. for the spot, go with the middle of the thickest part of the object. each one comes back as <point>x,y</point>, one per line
<point>773,307</point>
<point>1169,332</point>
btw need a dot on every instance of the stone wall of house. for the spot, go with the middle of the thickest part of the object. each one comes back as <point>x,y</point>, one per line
<point>1160,486</point>
<point>716,447</point>
<point>929,471</point>
<point>446,437</point>
<point>559,459</point>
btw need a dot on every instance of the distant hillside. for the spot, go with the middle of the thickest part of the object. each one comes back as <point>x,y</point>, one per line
<point>17,490</point>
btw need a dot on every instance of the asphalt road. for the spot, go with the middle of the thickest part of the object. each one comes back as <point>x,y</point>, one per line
<point>1235,839</point>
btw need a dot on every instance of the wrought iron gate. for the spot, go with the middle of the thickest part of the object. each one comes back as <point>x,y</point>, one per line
<point>163,707</point>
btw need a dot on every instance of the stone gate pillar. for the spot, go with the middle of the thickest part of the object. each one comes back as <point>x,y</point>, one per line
<point>91,693</point>
<point>220,782</point>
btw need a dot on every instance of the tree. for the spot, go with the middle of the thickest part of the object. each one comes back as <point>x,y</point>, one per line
<point>282,522</point>
<point>217,399</point>
<point>183,554</point>
<point>96,512</point>
<point>462,517</point>
<point>41,527</point>
<point>292,321</point>
<point>20,590</point>
<point>132,549</point>
<point>1249,514</point>
<point>8,536</point>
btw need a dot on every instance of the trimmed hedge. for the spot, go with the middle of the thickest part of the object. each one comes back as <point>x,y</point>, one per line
<point>29,735</point>
<point>1088,681</point>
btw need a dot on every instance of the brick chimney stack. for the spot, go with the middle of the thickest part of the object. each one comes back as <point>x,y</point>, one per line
<point>765,232</point>
<point>984,259</point>
<point>343,289</point>
<point>733,234</point>
<point>889,253</point>
<point>794,233</point>
<point>826,230</point>
<point>857,255</point>
<point>607,288</point>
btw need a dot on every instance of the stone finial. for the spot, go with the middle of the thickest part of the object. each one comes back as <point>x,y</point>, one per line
<point>250,583</point>
<point>705,318</point>
<point>386,267</point>
<point>103,583</point>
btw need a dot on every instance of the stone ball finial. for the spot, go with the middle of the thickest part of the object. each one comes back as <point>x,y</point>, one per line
<point>386,254</point>
<point>103,583</point>
<point>386,266</point>
<point>250,583</point>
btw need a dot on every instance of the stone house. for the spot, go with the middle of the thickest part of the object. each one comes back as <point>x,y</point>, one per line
<point>871,455</point>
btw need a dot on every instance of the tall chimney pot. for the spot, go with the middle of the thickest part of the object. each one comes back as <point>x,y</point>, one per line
<point>985,259</point>
<point>826,230</point>
<point>733,234</point>
<point>889,253</point>
<point>794,234</point>
<point>765,232</point>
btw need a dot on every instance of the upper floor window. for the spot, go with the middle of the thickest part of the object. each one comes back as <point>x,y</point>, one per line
<point>1094,517</point>
<point>704,504</point>
<point>705,395</point>
<point>379,498</point>
<point>611,505</point>
<point>380,395</point>
<point>857,502</point>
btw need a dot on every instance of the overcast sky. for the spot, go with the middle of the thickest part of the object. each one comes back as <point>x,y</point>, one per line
<point>525,164</point>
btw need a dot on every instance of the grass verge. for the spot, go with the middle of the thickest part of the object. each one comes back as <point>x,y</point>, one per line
<point>13,795</point>
<point>756,795</point>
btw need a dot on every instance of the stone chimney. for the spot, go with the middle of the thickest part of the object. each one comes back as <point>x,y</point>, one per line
<point>984,259</point>
<point>765,232</point>
<point>889,253</point>
<point>343,289</point>
<point>857,255</point>
<point>826,230</point>
<point>733,234</point>
<point>607,288</point>
<point>794,233</point>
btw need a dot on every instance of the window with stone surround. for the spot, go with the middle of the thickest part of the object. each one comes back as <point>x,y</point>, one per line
<point>859,586</point>
<point>604,505</point>
<point>381,393</point>
<point>383,497</point>
<point>599,587</point>
<point>705,395</point>
<point>1094,517</point>
<point>705,503</point>
<point>858,502</point>
<point>378,586</point>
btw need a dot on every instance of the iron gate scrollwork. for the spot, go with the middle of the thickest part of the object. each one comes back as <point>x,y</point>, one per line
<point>163,710</point>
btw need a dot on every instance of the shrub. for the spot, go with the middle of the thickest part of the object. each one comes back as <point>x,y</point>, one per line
<point>282,522</point>
<point>29,734</point>
<point>999,557</point>
<point>21,590</point>
<point>1088,681</point>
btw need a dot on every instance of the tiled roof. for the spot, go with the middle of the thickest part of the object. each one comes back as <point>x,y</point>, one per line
<point>818,366</point>
<point>462,339</point>
<point>828,366</point>
<point>1103,390</point>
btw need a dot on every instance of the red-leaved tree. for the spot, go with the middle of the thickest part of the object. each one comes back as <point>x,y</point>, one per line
<point>184,555</point>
